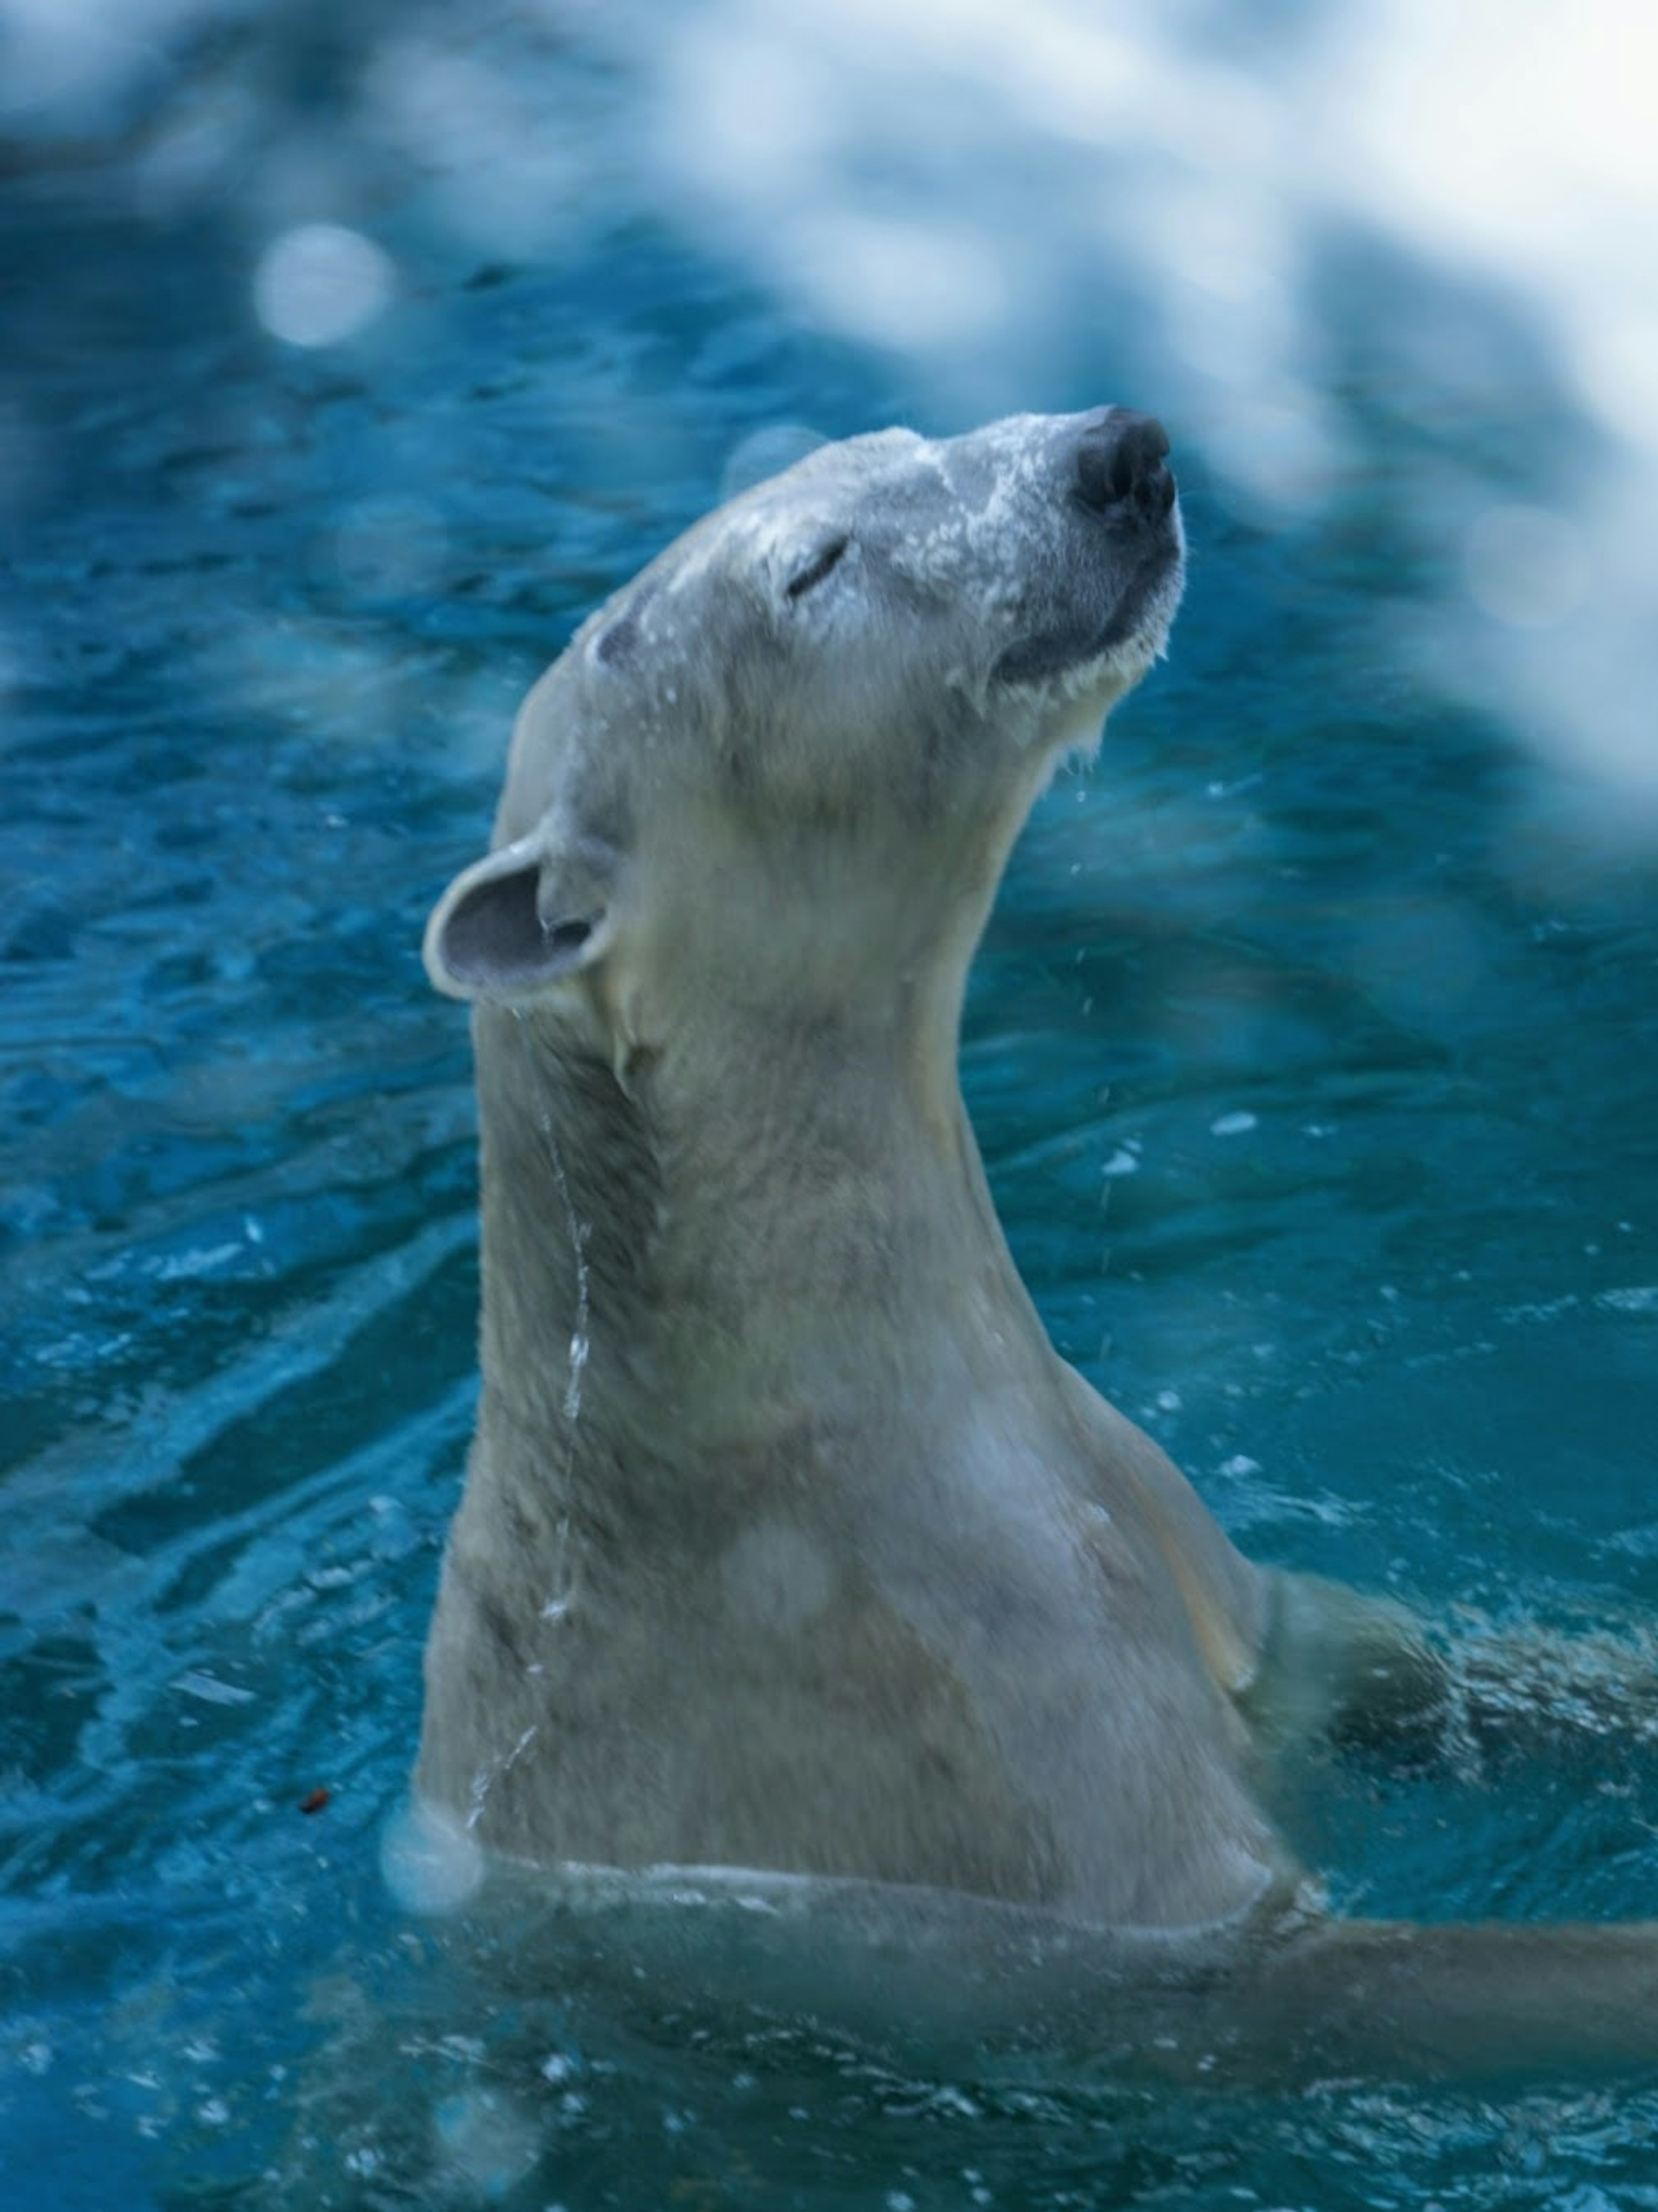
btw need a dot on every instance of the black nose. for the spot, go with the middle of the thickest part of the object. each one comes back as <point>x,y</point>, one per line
<point>1121,461</point>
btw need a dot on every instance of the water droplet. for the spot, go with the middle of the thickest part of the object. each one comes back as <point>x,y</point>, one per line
<point>1232,1125</point>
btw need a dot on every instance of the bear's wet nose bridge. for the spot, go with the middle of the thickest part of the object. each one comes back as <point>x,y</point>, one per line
<point>1121,460</point>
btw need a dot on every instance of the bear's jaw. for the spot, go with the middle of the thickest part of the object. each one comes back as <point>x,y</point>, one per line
<point>1084,672</point>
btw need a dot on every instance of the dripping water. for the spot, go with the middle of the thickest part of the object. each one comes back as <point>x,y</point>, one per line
<point>487,1777</point>
<point>559,1602</point>
<point>576,1228</point>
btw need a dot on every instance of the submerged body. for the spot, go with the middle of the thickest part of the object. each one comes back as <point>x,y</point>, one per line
<point>871,1586</point>
<point>788,1541</point>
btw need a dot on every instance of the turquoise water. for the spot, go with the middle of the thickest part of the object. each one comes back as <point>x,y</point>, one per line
<point>1313,1052</point>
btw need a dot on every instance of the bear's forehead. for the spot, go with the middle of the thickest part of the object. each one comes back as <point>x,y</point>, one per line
<point>981,475</point>
<point>939,507</point>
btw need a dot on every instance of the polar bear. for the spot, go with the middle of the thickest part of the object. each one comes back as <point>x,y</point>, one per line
<point>788,1541</point>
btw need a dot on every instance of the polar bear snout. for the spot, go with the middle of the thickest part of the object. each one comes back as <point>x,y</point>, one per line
<point>1104,575</point>
<point>1122,461</point>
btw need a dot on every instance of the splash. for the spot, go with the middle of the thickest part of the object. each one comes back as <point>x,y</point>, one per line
<point>429,1865</point>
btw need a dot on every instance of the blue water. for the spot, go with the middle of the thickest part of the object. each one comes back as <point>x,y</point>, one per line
<point>1314,1053</point>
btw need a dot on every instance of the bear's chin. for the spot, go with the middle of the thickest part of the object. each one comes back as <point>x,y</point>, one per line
<point>1075,700</point>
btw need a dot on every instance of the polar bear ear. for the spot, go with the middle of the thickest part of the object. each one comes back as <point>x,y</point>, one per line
<point>531,913</point>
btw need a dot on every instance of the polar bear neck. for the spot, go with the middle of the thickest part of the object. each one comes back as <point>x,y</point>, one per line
<point>703,1263</point>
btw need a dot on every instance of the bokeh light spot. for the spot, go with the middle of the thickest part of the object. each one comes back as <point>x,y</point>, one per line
<point>766,452</point>
<point>392,547</point>
<point>902,283</point>
<point>493,2144</point>
<point>320,283</point>
<point>429,1865</point>
<point>1525,566</point>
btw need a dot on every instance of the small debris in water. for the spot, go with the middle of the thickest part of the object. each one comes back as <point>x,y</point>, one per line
<point>315,1800</point>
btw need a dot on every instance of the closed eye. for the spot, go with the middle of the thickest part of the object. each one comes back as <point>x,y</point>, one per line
<point>818,568</point>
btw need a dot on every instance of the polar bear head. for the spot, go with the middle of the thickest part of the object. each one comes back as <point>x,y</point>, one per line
<point>799,744</point>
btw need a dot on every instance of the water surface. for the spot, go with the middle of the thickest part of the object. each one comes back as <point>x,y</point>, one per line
<point>1314,1053</point>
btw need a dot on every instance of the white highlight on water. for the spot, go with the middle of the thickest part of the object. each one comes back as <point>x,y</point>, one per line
<point>319,283</point>
<point>1233,1125</point>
